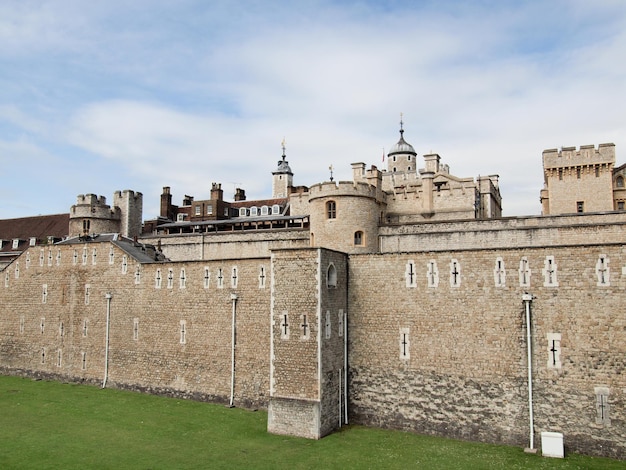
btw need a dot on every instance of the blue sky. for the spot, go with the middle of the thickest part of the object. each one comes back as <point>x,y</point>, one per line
<point>103,96</point>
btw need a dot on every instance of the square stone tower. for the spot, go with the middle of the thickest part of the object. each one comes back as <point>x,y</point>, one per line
<point>578,180</point>
<point>308,342</point>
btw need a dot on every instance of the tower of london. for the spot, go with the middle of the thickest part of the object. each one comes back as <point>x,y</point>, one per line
<point>401,299</point>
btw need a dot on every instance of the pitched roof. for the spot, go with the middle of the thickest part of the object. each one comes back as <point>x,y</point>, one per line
<point>40,227</point>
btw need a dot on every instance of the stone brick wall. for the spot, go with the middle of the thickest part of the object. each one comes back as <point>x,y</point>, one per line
<point>307,369</point>
<point>225,245</point>
<point>169,340</point>
<point>465,372</point>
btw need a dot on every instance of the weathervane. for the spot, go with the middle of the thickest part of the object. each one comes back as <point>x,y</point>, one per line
<point>331,173</point>
<point>283,145</point>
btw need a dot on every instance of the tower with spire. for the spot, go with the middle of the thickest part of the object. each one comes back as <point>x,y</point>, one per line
<point>282,178</point>
<point>402,156</point>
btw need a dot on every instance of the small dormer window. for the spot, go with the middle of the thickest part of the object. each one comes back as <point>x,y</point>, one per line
<point>275,209</point>
<point>242,212</point>
<point>180,217</point>
<point>33,241</point>
<point>254,211</point>
<point>265,210</point>
<point>16,243</point>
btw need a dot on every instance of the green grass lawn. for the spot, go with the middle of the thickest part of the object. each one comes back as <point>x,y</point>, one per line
<point>54,425</point>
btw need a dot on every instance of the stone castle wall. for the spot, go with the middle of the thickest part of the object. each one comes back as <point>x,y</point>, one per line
<point>227,245</point>
<point>436,330</point>
<point>449,358</point>
<point>169,340</point>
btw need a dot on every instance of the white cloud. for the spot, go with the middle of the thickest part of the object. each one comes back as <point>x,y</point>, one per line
<point>187,94</point>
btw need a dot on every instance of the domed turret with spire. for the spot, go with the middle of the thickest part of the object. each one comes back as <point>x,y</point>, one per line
<point>402,156</point>
<point>283,177</point>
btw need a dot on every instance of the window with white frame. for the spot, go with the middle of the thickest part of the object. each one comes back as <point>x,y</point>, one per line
<point>524,272</point>
<point>207,277</point>
<point>242,212</point>
<point>602,271</point>
<point>138,274</point>
<point>234,277</point>
<point>499,273</point>
<point>549,272</point>
<point>183,332</point>
<point>220,278</point>
<point>410,275</point>
<point>275,209</point>
<point>44,293</point>
<point>157,279</point>
<point>124,264</point>
<point>265,210</point>
<point>183,278</point>
<point>432,273</point>
<point>170,278</point>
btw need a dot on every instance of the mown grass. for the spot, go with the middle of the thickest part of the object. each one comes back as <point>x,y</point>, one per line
<point>47,425</point>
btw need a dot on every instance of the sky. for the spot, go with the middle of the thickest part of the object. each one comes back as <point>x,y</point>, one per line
<point>102,96</point>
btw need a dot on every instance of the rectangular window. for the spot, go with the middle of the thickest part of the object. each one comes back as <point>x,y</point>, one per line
<point>602,406</point>
<point>135,329</point>
<point>207,278</point>
<point>44,293</point>
<point>620,205</point>
<point>183,279</point>
<point>170,278</point>
<point>33,241</point>
<point>578,173</point>
<point>94,255</point>
<point>59,357</point>
<point>157,279</point>
<point>83,360</point>
<point>580,206</point>
<point>554,351</point>
<point>209,209</point>
<point>87,288</point>
<point>22,324</point>
<point>183,332</point>
<point>198,210</point>
<point>85,327</point>
<point>16,243</point>
<point>405,344</point>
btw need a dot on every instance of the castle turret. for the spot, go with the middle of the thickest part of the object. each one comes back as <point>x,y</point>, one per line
<point>402,156</point>
<point>283,177</point>
<point>344,216</point>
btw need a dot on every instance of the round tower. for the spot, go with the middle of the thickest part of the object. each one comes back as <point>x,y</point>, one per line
<point>282,178</point>
<point>402,157</point>
<point>345,216</point>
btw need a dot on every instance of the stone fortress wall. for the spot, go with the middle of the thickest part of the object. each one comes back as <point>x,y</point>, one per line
<point>421,326</point>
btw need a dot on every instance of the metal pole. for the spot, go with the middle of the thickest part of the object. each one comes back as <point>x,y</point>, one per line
<point>527,299</point>
<point>108,297</point>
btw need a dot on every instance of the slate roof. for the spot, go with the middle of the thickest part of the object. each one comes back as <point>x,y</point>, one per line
<point>40,227</point>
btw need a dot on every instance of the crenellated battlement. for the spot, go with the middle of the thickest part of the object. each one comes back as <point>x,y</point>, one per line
<point>586,155</point>
<point>91,199</point>
<point>346,188</point>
